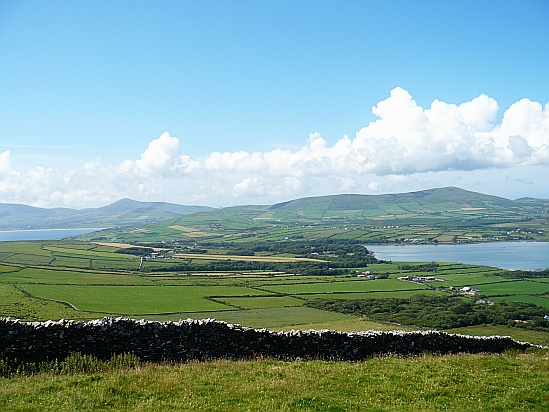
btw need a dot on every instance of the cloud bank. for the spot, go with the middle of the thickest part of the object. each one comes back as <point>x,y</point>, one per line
<point>406,140</point>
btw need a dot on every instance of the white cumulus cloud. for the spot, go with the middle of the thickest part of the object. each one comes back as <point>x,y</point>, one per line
<point>5,161</point>
<point>405,140</point>
<point>161,158</point>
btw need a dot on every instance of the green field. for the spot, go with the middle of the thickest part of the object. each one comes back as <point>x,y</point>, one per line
<point>523,287</point>
<point>67,276</point>
<point>54,279</point>
<point>264,302</point>
<point>371,295</point>
<point>351,286</point>
<point>542,301</point>
<point>466,279</point>
<point>134,300</point>
<point>16,304</point>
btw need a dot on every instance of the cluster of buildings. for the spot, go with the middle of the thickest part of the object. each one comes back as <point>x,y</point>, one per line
<point>465,290</point>
<point>367,275</point>
<point>160,255</point>
<point>420,279</point>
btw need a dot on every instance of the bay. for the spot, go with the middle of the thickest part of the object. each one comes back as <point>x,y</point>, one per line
<point>42,234</point>
<point>504,255</point>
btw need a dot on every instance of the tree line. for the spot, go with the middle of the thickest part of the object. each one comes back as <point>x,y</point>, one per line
<point>440,312</point>
<point>334,257</point>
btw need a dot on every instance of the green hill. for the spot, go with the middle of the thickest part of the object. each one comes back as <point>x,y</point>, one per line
<point>120,213</point>
<point>436,215</point>
<point>430,201</point>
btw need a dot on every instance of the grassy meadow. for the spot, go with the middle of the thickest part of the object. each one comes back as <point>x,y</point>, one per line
<point>508,382</point>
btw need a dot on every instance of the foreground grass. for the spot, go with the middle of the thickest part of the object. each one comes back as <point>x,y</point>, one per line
<point>518,382</point>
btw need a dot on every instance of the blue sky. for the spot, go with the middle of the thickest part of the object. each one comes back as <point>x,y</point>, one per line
<point>236,102</point>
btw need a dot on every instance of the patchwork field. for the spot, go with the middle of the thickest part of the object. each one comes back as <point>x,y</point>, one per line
<point>137,300</point>
<point>81,280</point>
<point>446,215</point>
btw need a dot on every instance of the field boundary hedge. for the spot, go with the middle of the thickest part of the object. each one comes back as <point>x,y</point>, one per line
<point>207,339</point>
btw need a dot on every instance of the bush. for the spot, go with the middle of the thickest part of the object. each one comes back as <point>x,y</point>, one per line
<point>441,312</point>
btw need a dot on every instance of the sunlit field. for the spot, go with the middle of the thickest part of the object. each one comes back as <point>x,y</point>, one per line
<point>64,279</point>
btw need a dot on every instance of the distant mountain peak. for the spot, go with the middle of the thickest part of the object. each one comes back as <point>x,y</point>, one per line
<point>120,213</point>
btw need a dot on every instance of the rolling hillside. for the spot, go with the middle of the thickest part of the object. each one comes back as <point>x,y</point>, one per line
<point>435,215</point>
<point>432,201</point>
<point>120,213</point>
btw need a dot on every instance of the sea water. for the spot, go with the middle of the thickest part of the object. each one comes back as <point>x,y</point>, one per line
<point>505,255</point>
<point>42,234</point>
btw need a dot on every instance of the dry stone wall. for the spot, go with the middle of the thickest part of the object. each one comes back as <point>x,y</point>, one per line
<point>206,339</point>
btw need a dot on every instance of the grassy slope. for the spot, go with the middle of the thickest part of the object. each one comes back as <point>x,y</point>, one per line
<point>442,214</point>
<point>123,212</point>
<point>517,382</point>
